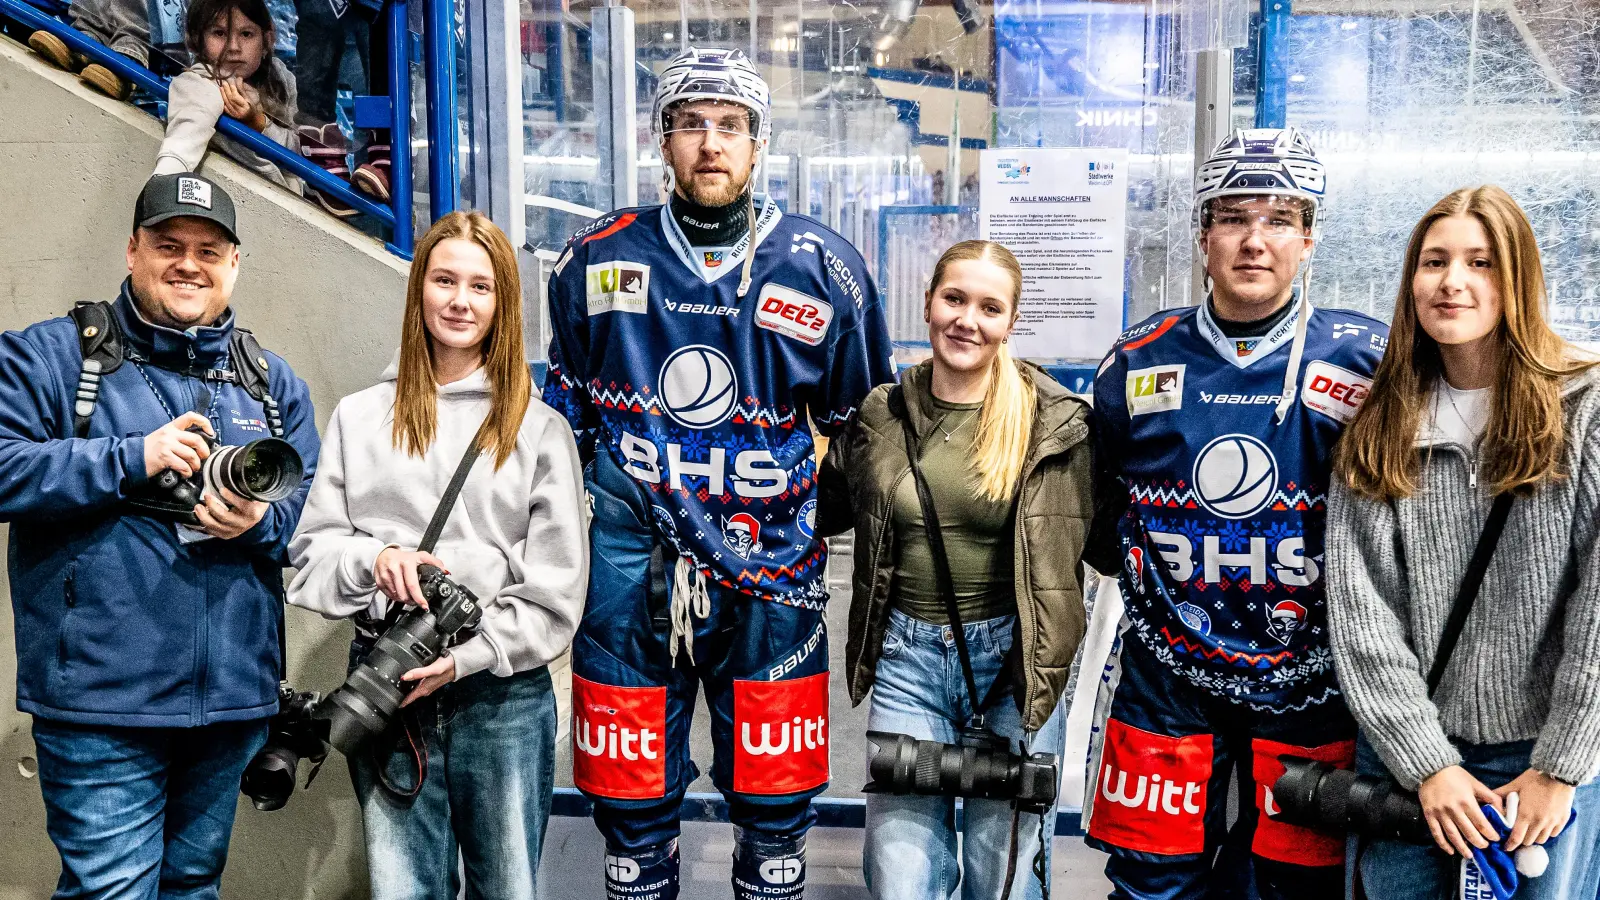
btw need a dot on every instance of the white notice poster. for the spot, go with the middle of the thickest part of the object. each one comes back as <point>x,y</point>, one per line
<point>1064,214</point>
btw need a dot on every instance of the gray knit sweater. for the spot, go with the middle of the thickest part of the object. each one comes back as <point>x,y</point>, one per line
<point>1528,664</point>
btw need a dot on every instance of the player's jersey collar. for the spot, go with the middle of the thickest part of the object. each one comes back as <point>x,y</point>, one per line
<point>1230,348</point>
<point>696,260</point>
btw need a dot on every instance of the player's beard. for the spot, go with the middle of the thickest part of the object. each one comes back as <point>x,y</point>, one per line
<point>712,195</point>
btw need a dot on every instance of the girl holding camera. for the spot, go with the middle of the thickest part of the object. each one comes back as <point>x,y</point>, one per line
<point>1004,453</point>
<point>1477,398</point>
<point>474,764</point>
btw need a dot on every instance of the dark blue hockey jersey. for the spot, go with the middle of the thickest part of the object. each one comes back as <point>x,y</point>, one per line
<point>703,396</point>
<point>1222,539</point>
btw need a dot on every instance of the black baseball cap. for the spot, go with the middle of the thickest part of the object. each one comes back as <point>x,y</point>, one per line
<point>184,194</point>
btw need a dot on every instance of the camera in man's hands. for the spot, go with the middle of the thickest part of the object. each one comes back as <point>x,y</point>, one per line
<point>981,767</point>
<point>367,702</point>
<point>1316,794</point>
<point>292,735</point>
<point>267,470</point>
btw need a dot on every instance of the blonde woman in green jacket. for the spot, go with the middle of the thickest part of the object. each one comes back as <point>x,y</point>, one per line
<point>1005,453</point>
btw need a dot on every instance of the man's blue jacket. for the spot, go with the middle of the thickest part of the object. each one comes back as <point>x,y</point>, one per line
<point>119,623</point>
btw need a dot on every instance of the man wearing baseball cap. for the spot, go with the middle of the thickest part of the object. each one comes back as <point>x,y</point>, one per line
<point>148,649</point>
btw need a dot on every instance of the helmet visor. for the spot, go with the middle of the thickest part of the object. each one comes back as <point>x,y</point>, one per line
<point>1276,216</point>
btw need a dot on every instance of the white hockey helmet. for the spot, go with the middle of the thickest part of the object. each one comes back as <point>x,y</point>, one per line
<point>725,75</point>
<point>1258,161</point>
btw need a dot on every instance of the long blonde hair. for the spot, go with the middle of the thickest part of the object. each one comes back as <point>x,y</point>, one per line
<point>510,386</point>
<point>1524,441</point>
<point>1005,424</point>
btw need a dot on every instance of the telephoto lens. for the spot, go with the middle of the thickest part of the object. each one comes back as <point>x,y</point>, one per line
<point>1318,795</point>
<point>979,768</point>
<point>362,707</point>
<point>267,470</point>
<point>292,735</point>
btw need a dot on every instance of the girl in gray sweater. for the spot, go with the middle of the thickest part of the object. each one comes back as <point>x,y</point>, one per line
<point>1476,396</point>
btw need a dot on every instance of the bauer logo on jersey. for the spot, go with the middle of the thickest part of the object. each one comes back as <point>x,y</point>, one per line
<point>791,313</point>
<point>1333,391</point>
<point>618,286</point>
<point>1235,476</point>
<point>697,386</point>
<point>1156,389</point>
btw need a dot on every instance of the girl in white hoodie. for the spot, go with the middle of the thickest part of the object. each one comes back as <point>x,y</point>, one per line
<point>476,763</point>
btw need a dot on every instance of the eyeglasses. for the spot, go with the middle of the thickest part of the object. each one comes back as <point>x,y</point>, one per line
<point>700,127</point>
<point>1278,226</point>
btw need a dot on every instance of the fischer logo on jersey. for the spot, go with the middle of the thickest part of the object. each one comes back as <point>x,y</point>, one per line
<point>1333,391</point>
<point>794,314</point>
<point>1151,790</point>
<point>618,286</point>
<point>617,740</point>
<point>780,735</point>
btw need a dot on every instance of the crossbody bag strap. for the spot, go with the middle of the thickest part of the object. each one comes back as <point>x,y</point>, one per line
<point>941,562</point>
<point>1467,593</point>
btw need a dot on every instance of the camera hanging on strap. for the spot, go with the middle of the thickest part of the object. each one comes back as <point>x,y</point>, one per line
<point>983,765</point>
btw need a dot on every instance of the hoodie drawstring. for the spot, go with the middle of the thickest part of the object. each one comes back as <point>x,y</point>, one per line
<point>690,601</point>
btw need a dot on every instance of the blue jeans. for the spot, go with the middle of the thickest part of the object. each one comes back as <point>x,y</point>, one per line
<point>490,744</point>
<point>1395,871</point>
<point>140,813</point>
<point>911,850</point>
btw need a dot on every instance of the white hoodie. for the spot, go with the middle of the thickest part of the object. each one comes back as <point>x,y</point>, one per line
<point>517,537</point>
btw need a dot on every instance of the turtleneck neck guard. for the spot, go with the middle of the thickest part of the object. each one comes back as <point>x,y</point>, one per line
<point>711,226</point>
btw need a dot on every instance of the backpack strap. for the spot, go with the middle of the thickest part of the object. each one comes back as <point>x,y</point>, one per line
<point>100,344</point>
<point>250,367</point>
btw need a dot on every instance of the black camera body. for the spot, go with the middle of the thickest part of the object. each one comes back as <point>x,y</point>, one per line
<point>982,766</point>
<point>292,735</point>
<point>362,707</point>
<point>1316,794</point>
<point>267,470</point>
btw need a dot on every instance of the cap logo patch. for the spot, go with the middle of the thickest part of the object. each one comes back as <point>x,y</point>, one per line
<point>194,192</point>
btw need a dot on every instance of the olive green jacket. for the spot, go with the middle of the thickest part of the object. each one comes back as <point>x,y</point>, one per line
<point>863,468</point>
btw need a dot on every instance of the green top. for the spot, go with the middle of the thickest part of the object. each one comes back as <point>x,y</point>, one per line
<point>977,531</point>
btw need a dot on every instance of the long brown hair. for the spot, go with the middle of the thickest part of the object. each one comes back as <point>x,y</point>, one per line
<point>1006,422</point>
<point>510,386</point>
<point>1524,441</point>
<point>269,79</point>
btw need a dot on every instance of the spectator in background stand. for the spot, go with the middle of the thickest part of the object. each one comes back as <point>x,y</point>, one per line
<point>236,75</point>
<point>324,26</point>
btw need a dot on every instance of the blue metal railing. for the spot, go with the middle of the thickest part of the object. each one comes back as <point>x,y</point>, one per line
<point>1272,64</point>
<point>444,161</point>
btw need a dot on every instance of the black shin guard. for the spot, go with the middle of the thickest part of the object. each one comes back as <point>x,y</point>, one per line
<point>769,869</point>
<point>648,875</point>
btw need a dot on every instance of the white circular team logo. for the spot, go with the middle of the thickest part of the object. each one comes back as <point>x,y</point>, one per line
<point>1235,476</point>
<point>698,387</point>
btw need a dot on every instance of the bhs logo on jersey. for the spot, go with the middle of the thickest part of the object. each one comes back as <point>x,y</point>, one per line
<point>698,387</point>
<point>1235,476</point>
<point>793,314</point>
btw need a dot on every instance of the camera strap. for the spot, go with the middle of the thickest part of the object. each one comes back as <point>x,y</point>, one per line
<point>448,501</point>
<point>1467,593</point>
<point>941,564</point>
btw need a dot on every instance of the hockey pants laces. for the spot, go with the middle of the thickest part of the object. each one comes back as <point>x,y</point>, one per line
<point>690,601</point>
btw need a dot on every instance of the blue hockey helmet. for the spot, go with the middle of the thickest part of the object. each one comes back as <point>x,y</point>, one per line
<point>1262,161</point>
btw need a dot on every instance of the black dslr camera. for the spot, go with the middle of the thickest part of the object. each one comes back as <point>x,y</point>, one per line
<point>267,470</point>
<point>1317,795</point>
<point>363,707</point>
<point>292,735</point>
<point>982,766</point>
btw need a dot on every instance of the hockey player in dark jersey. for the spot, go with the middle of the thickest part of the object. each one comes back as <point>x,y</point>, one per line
<point>1215,427</point>
<point>692,343</point>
